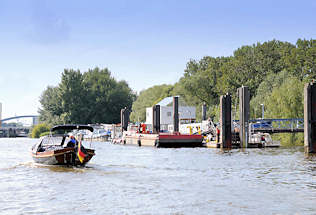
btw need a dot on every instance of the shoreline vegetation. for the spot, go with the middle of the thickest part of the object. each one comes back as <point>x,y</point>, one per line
<point>274,71</point>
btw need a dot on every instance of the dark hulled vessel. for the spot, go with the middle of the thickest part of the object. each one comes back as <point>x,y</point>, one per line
<point>55,150</point>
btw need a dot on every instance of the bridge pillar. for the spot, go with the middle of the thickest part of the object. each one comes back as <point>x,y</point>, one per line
<point>244,108</point>
<point>225,122</point>
<point>310,118</point>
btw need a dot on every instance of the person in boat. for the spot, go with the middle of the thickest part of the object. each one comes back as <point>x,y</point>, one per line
<point>72,142</point>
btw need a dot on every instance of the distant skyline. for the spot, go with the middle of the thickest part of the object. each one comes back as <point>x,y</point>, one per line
<point>145,43</point>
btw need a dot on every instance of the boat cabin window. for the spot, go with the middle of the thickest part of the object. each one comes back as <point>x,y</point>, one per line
<point>50,141</point>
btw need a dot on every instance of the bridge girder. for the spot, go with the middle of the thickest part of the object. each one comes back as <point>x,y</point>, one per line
<point>18,117</point>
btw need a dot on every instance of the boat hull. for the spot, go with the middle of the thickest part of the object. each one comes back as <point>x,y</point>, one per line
<point>65,156</point>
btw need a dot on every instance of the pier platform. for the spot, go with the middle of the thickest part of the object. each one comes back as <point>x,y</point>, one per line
<point>163,140</point>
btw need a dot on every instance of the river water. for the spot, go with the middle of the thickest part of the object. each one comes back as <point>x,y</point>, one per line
<point>144,180</point>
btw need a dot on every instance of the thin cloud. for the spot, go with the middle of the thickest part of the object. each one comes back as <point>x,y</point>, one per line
<point>46,26</point>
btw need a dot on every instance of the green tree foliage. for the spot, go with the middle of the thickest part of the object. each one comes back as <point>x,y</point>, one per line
<point>200,79</point>
<point>106,94</point>
<point>272,81</point>
<point>251,64</point>
<point>90,97</point>
<point>301,61</point>
<point>261,67</point>
<point>39,129</point>
<point>286,101</point>
<point>72,95</point>
<point>51,111</point>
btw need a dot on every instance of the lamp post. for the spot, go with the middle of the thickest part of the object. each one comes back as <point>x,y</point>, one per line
<point>189,115</point>
<point>262,106</point>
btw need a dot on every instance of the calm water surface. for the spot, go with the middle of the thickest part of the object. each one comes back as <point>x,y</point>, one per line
<point>133,180</point>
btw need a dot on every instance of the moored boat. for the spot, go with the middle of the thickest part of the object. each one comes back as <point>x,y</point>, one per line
<point>262,140</point>
<point>60,149</point>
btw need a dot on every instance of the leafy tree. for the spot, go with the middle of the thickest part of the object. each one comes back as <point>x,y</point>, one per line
<point>72,94</point>
<point>91,97</point>
<point>302,60</point>
<point>106,96</point>
<point>200,80</point>
<point>286,101</point>
<point>272,81</point>
<point>39,129</point>
<point>51,111</point>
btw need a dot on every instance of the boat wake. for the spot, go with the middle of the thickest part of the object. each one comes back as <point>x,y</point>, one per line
<point>23,164</point>
<point>61,168</point>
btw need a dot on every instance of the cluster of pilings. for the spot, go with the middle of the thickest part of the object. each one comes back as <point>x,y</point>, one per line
<point>155,117</point>
<point>226,119</point>
<point>244,110</point>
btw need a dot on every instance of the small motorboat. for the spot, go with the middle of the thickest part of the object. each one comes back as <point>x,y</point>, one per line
<point>56,150</point>
<point>262,140</point>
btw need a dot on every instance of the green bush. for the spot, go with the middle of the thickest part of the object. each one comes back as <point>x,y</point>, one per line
<point>39,129</point>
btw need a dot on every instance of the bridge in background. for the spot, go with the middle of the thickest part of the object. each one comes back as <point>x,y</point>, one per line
<point>34,117</point>
<point>273,126</point>
<point>16,131</point>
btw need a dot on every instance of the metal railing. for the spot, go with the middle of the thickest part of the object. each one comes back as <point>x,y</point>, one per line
<point>277,125</point>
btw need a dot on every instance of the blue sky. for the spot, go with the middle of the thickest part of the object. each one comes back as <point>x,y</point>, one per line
<point>143,42</point>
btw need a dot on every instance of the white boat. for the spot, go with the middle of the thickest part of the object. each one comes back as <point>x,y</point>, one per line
<point>263,140</point>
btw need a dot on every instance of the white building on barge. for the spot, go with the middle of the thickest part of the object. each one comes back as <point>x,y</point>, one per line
<point>187,114</point>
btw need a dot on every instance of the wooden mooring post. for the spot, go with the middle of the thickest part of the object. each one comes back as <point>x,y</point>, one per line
<point>124,119</point>
<point>310,118</point>
<point>156,119</point>
<point>244,108</point>
<point>225,122</point>
<point>175,114</point>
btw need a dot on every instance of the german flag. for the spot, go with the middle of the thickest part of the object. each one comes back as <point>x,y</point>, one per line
<point>81,155</point>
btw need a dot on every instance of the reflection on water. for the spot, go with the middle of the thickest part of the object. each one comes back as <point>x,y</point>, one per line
<point>144,180</point>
